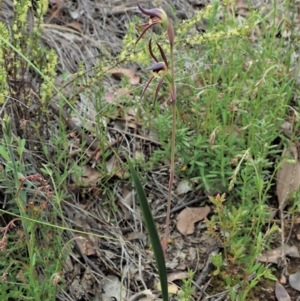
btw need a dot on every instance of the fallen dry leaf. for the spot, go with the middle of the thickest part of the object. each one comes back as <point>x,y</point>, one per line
<point>125,202</point>
<point>242,8</point>
<point>273,256</point>
<point>68,264</point>
<point>75,14</point>
<point>294,280</point>
<point>75,25</point>
<point>287,128</point>
<point>112,288</point>
<point>20,276</point>
<point>111,97</point>
<point>188,217</point>
<point>85,244</point>
<point>55,1</point>
<point>114,168</point>
<point>122,92</point>
<point>183,187</point>
<point>122,124</point>
<point>137,235</point>
<point>178,275</point>
<point>281,293</point>
<point>145,295</point>
<point>120,72</point>
<point>89,175</point>
<point>239,7</point>
<point>172,288</point>
<point>288,175</point>
<point>283,279</point>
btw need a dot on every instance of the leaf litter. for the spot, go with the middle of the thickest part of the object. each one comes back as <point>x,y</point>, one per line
<point>116,254</point>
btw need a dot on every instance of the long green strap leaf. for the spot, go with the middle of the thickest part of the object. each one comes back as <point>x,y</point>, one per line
<point>151,228</point>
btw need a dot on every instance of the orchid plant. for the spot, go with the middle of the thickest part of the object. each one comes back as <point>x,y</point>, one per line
<point>158,16</point>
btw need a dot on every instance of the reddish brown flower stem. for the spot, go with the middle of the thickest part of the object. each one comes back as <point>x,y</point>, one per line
<point>173,140</point>
<point>158,16</point>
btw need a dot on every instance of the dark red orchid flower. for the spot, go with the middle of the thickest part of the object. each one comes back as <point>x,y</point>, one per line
<point>156,16</point>
<point>156,68</point>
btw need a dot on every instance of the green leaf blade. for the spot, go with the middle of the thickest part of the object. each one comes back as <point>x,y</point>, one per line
<point>151,228</point>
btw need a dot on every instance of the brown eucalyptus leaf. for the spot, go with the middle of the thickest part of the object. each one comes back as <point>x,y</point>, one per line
<point>288,175</point>
<point>188,217</point>
<point>281,293</point>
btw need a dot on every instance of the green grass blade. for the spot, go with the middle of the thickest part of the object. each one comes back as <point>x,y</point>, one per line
<point>150,225</point>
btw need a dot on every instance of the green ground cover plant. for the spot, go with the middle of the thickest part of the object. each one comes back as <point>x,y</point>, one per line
<point>35,166</point>
<point>227,130</point>
<point>28,196</point>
